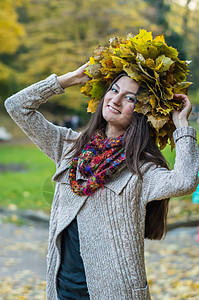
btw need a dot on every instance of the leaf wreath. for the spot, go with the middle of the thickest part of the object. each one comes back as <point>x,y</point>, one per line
<point>157,69</point>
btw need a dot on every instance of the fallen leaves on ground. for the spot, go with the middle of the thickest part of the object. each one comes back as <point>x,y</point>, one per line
<point>182,209</point>
<point>22,259</point>
<point>172,266</point>
<point>19,287</point>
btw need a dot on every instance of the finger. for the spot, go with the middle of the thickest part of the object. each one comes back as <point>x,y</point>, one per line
<point>181,97</point>
<point>186,102</point>
<point>84,66</point>
<point>184,99</point>
<point>87,79</point>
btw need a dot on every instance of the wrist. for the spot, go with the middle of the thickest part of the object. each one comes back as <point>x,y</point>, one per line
<point>182,123</point>
<point>67,80</point>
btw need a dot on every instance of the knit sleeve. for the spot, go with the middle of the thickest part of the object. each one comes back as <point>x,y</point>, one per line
<point>160,183</point>
<point>22,108</point>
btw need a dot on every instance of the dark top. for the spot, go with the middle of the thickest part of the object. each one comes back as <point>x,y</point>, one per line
<point>71,277</point>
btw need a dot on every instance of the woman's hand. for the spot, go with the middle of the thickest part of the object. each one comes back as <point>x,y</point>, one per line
<point>74,78</point>
<point>180,118</point>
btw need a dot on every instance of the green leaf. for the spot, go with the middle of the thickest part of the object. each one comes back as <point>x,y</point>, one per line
<point>98,90</point>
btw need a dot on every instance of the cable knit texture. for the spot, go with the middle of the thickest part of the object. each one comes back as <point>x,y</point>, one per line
<point>111,221</point>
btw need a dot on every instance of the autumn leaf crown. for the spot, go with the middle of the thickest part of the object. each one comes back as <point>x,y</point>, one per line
<point>154,65</point>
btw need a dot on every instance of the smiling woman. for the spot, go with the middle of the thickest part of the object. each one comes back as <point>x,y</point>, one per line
<point>118,106</point>
<point>112,182</point>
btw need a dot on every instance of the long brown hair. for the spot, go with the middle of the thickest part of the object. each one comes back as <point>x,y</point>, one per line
<point>139,144</point>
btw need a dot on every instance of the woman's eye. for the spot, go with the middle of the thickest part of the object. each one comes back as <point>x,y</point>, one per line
<point>132,99</point>
<point>114,90</point>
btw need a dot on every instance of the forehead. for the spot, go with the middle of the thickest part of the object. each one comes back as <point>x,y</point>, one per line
<point>127,83</point>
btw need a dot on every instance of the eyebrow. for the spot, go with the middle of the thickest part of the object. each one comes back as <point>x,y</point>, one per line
<point>128,92</point>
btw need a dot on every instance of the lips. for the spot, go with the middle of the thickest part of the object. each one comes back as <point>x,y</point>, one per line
<point>114,110</point>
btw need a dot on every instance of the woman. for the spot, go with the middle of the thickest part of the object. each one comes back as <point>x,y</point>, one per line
<point>111,219</point>
<point>112,182</point>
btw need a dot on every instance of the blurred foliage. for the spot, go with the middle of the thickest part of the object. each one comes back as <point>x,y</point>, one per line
<point>12,34</point>
<point>11,31</point>
<point>38,38</point>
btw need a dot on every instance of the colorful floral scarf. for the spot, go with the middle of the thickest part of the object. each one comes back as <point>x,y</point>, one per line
<point>99,160</point>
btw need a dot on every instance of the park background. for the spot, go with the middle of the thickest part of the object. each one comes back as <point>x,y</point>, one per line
<point>41,37</point>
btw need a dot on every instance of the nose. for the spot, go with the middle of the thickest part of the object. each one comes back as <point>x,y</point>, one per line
<point>117,100</point>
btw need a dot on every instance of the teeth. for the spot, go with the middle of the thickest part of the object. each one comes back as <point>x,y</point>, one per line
<point>113,109</point>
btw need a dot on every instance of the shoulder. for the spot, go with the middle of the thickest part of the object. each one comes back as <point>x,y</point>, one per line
<point>147,167</point>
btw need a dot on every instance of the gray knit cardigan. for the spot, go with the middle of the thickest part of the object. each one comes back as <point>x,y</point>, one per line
<point>111,222</point>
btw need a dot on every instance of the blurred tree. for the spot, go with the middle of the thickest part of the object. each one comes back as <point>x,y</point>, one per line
<point>184,35</point>
<point>11,31</point>
<point>178,20</point>
<point>191,41</point>
<point>159,14</point>
<point>11,36</point>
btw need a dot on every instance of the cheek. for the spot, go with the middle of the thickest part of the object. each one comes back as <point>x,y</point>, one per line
<point>104,105</point>
<point>129,113</point>
<point>105,102</point>
<point>129,109</point>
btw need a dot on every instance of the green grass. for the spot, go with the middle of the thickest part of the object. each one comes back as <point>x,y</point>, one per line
<point>25,189</point>
<point>169,155</point>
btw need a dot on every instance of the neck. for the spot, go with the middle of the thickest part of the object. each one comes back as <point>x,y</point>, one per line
<point>112,132</point>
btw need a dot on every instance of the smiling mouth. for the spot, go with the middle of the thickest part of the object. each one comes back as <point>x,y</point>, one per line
<point>114,110</point>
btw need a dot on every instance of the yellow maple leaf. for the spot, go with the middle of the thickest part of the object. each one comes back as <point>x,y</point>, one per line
<point>92,60</point>
<point>153,101</point>
<point>92,105</point>
<point>160,38</point>
<point>143,97</point>
<point>182,87</point>
<point>142,109</point>
<point>150,63</point>
<point>125,51</point>
<point>119,63</point>
<point>169,93</point>
<point>166,63</point>
<point>142,37</point>
<point>132,72</point>
<point>87,88</point>
<point>158,121</point>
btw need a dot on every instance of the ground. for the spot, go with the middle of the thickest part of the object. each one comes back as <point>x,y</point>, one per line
<point>172,264</point>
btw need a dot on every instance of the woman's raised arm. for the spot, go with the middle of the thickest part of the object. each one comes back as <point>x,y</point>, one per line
<point>22,107</point>
<point>161,183</point>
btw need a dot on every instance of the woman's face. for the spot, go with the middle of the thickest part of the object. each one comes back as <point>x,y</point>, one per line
<point>119,104</point>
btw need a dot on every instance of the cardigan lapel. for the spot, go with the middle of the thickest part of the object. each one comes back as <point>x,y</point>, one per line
<point>119,181</point>
<point>122,178</point>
